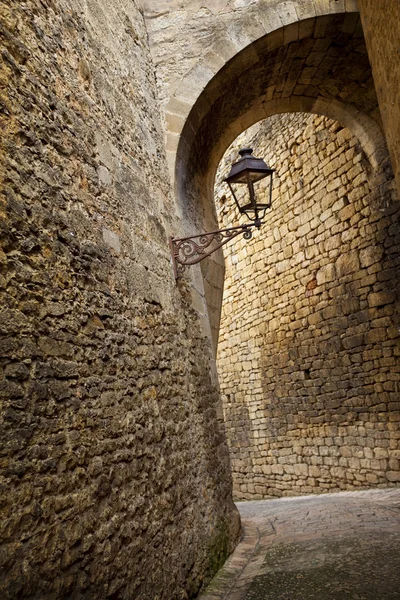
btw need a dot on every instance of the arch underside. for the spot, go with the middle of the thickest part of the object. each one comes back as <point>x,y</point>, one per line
<point>323,69</point>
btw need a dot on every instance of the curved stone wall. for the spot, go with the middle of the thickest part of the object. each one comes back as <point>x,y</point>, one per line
<point>308,352</point>
<point>114,470</point>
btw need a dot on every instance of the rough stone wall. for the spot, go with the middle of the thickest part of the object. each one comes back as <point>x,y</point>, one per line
<point>381,24</point>
<point>114,470</point>
<point>308,353</point>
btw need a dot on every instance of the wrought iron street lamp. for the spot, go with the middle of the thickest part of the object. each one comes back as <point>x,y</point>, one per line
<point>242,180</point>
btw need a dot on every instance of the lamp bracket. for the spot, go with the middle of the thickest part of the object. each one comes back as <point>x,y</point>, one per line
<point>191,250</point>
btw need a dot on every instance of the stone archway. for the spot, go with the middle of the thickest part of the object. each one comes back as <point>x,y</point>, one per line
<point>318,65</point>
<point>193,42</point>
<point>274,58</point>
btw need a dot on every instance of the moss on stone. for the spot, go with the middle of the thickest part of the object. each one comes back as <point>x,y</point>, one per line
<point>218,551</point>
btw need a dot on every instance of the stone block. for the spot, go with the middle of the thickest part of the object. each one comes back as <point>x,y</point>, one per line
<point>370,255</point>
<point>112,240</point>
<point>378,334</point>
<point>381,298</point>
<point>326,274</point>
<point>353,341</point>
<point>348,263</point>
<point>104,176</point>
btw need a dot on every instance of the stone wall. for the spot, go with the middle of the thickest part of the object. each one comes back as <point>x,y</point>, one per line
<point>114,470</point>
<point>381,24</point>
<point>308,353</point>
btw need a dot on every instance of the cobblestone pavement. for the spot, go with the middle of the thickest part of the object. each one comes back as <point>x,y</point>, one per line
<point>343,546</point>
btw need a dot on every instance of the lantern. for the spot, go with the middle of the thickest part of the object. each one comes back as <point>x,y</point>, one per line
<point>243,179</point>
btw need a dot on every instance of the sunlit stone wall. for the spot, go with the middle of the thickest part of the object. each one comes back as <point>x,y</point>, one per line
<point>114,470</point>
<point>308,352</point>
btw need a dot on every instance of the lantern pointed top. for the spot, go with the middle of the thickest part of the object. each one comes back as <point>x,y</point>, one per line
<point>248,165</point>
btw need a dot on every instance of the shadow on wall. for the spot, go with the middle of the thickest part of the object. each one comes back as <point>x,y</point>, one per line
<point>308,344</point>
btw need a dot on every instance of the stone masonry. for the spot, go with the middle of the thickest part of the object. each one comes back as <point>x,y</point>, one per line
<point>114,474</point>
<point>308,352</point>
<point>114,114</point>
<point>381,24</point>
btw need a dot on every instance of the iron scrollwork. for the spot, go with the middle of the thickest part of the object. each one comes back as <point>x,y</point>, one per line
<point>191,250</point>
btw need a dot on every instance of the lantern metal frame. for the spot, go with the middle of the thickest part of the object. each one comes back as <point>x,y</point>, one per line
<point>249,170</point>
<point>193,249</point>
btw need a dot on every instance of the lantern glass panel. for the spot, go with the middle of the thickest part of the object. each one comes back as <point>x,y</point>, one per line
<point>262,189</point>
<point>254,177</point>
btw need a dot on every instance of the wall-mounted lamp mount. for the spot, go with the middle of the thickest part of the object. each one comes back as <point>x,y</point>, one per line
<point>246,172</point>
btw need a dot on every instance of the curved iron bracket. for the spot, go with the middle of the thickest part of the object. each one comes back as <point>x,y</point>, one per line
<point>191,250</point>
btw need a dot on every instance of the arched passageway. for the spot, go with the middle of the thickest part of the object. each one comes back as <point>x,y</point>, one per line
<point>319,65</point>
<point>115,468</point>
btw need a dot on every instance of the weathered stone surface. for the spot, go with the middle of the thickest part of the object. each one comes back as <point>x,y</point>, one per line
<point>114,470</point>
<point>381,23</point>
<point>112,450</point>
<point>309,369</point>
